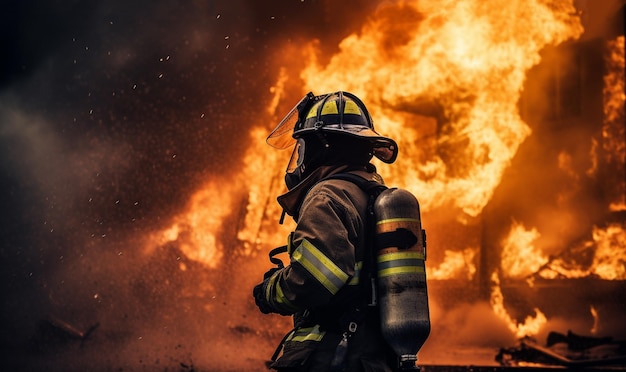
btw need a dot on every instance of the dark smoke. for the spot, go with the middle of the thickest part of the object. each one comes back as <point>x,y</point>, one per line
<point>112,113</point>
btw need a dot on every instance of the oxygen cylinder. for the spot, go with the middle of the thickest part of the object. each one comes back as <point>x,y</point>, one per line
<point>400,245</point>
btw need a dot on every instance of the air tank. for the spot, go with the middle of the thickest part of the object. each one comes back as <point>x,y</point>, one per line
<point>401,277</point>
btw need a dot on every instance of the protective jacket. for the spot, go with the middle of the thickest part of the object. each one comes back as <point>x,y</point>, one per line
<point>323,286</point>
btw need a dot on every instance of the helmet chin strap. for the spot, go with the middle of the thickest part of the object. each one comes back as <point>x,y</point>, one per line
<point>293,179</point>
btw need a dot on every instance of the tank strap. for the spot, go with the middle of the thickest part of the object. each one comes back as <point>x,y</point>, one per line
<point>369,186</point>
<point>373,189</point>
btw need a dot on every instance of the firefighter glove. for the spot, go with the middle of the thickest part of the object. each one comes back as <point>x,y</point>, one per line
<point>259,297</point>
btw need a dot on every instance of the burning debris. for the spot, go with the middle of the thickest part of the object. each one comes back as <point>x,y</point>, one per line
<point>567,350</point>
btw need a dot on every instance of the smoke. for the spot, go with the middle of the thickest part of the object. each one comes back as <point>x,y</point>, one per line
<point>112,114</point>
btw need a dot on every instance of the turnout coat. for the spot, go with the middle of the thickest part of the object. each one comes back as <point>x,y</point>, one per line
<point>324,286</point>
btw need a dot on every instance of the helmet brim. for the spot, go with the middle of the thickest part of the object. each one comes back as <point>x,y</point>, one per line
<point>385,149</point>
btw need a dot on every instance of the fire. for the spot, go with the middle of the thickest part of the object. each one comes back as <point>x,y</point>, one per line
<point>606,246</point>
<point>520,258</point>
<point>596,319</point>
<point>196,231</point>
<point>460,62</point>
<point>531,325</point>
<point>613,131</point>
<point>442,78</point>
<point>609,261</point>
<point>456,265</point>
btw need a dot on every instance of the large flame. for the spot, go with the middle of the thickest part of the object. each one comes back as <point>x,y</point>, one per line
<point>442,78</point>
<point>460,62</point>
<point>531,325</point>
<point>606,246</point>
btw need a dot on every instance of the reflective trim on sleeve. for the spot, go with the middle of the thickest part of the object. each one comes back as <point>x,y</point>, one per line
<point>282,300</point>
<point>306,334</point>
<point>357,273</point>
<point>321,267</point>
<point>279,296</point>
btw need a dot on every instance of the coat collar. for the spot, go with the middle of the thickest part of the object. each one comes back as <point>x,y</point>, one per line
<point>292,199</point>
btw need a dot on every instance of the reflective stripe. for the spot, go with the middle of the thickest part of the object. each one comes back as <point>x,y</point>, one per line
<point>268,288</point>
<point>357,273</point>
<point>400,219</point>
<point>307,334</point>
<point>320,266</point>
<point>400,263</point>
<point>280,298</point>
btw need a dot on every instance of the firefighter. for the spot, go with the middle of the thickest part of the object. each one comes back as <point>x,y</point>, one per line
<point>325,286</point>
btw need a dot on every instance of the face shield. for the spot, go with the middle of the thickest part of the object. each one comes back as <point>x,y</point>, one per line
<point>297,156</point>
<point>282,136</point>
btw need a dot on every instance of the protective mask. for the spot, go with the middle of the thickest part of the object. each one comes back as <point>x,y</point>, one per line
<point>293,179</point>
<point>293,173</point>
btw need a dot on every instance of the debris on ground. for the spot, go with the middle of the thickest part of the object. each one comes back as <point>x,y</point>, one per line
<point>567,350</point>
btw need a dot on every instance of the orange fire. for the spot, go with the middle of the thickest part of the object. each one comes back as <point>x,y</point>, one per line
<point>520,258</point>
<point>613,131</point>
<point>466,62</point>
<point>531,325</point>
<point>456,264</point>
<point>442,78</point>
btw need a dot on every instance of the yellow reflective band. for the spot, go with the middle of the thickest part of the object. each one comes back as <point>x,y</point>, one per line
<point>320,266</point>
<point>268,288</point>
<point>307,334</point>
<point>289,245</point>
<point>395,263</point>
<point>351,108</point>
<point>400,256</point>
<point>329,108</point>
<point>357,273</point>
<point>281,299</point>
<point>400,270</point>
<point>399,219</point>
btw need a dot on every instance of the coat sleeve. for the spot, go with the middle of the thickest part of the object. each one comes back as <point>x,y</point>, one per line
<point>322,255</point>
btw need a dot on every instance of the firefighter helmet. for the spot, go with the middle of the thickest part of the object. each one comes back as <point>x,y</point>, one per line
<point>340,113</point>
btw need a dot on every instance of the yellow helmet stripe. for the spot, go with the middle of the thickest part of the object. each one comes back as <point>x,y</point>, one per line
<point>313,111</point>
<point>351,108</point>
<point>329,108</point>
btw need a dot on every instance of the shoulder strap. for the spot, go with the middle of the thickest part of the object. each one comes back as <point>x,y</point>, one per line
<point>373,189</point>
